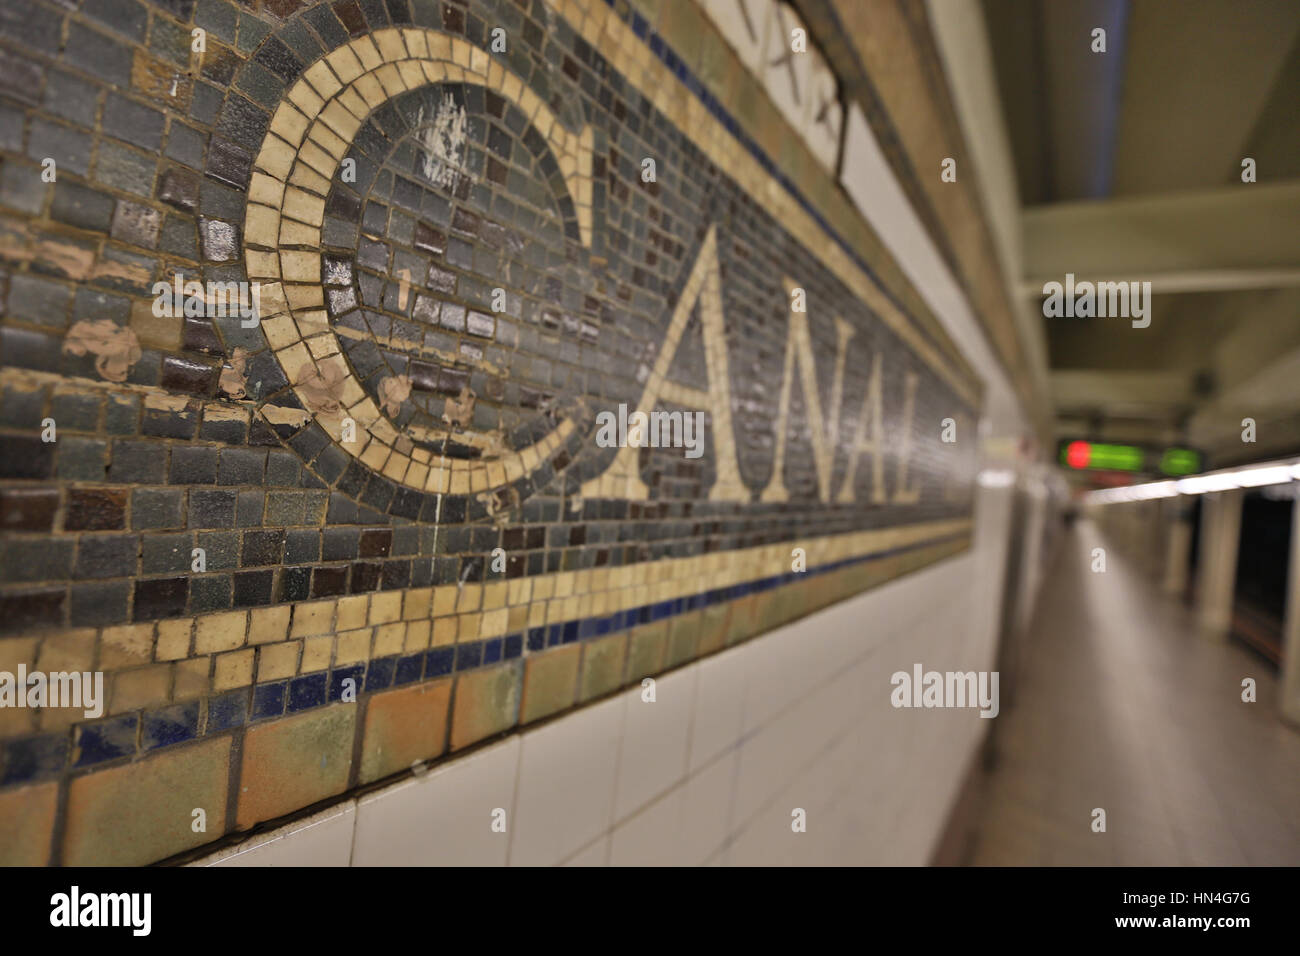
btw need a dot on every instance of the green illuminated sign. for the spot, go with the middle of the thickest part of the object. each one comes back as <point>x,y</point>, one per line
<point>1100,456</point>
<point>1097,456</point>
<point>1180,461</point>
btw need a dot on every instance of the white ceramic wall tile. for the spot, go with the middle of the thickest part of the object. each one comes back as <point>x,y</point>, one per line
<point>443,818</point>
<point>836,837</point>
<point>772,667</point>
<point>595,853</point>
<point>324,839</point>
<point>652,837</point>
<point>767,839</point>
<point>786,75</point>
<point>654,741</point>
<point>870,182</point>
<point>803,88</point>
<point>837,699</point>
<point>824,114</point>
<point>719,706</point>
<point>814,786</point>
<point>706,809</point>
<point>566,784</point>
<point>805,731</point>
<point>742,23</point>
<point>765,762</point>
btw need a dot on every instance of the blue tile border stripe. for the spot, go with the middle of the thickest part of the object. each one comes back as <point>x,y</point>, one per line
<point>44,755</point>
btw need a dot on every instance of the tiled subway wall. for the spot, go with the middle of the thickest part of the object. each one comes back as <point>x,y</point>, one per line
<point>386,519</point>
<point>711,771</point>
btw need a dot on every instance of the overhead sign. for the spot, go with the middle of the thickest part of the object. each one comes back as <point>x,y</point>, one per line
<point>1104,456</point>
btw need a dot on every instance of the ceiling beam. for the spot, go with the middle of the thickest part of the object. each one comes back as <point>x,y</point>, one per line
<point>962,40</point>
<point>1108,389</point>
<point>1197,80</point>
<point>1237,237</point>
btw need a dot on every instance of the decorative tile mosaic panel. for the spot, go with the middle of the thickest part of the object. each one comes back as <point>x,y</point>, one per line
<point>308,351</point>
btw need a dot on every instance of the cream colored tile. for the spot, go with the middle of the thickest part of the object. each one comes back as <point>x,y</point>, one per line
<point>129,645</point>
<point>278,661</point>
<point>267,624</point>
<point>219,632</point>
<point>234,669</point>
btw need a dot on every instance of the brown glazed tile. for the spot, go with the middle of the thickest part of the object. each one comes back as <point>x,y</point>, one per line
<point>742,624</point>
<point>713,629</point>
<point>350,14</point>
<point>26,609</point>
<point>684,638</point>
<point>95,509</point>
<point>291,763</point>
<point>403,727</point>
<point>764,617</point>
<point>188,375</point>
<point>28,509</point>
<point>645,650</point>
<point>144,812</point>
<point>487,702</point>
<point>602,666</point>
<point>27,824</point>
<point>549,681</point>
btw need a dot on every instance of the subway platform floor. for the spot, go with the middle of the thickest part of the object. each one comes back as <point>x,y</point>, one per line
<point>1122,706</point>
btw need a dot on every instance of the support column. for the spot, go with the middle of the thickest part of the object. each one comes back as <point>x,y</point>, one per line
<point>1178,547</point>
<point>1291,627</point>
<point>1217,574</point>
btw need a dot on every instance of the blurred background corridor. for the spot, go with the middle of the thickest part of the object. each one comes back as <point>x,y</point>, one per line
<point>1122,705</point>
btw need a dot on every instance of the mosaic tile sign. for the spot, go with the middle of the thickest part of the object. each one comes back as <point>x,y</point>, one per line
<point>355,351</point>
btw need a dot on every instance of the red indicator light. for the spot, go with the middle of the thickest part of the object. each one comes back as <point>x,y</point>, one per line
<point>1077,454</point>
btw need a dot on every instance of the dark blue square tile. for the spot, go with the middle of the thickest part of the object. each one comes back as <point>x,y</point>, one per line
<point>439,661</point>
<point>409,669</point>
<point>170,725</point>
<point>339,685</point>
<point>106,740</point>
<point>307,691</point>
<point>536,638</point>
<point>468,656</point>
<point>34,758</point>
<point>268,700</point>
<point>227,710</point>
<point>379,674</point>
